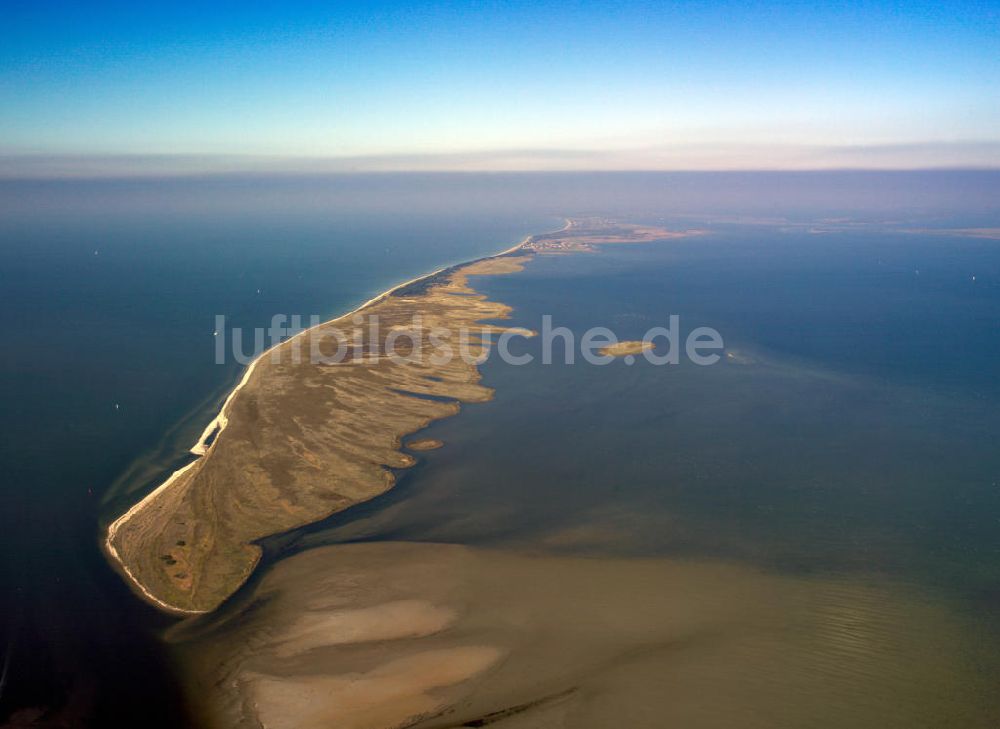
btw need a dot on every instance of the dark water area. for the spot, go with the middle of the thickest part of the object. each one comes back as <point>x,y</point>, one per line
<point>108,376</point>
<point>852,431</point>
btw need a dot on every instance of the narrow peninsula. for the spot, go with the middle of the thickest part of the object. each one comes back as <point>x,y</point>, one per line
<point>304,437</point>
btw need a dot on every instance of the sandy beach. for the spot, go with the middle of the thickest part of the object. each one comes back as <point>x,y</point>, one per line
<point>212,434</point>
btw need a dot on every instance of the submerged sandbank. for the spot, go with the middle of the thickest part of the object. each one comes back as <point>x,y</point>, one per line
<point>424,444</point>
<point>377,635</point>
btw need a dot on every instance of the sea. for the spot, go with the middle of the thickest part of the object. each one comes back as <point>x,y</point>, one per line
<point>847,432</point>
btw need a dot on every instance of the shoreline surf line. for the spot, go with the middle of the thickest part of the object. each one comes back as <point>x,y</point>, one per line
<point>109,543</point>
<point>214,429</point>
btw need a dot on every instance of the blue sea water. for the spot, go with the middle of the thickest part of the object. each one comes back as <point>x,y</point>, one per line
<point>853,432</point>
<point>853,427</point>
<point>110,293</point>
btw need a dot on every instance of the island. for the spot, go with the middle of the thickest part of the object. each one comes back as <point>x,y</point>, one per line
<point>304,437</point>
<point>623,349</point>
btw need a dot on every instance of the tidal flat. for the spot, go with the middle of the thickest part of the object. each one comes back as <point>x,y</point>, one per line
<point>393,634</point>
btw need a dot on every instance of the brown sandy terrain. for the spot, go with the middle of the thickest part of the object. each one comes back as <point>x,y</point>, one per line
<point>621,349</point>
<point>304,440</point>
<point>378,635</point>
<point>300,440</point>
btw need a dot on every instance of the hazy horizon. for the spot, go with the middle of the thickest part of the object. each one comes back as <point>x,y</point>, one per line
<point>921,196</point>
<point>884,158</point>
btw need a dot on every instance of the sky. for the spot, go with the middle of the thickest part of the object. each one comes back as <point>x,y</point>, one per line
<point>162,86</point>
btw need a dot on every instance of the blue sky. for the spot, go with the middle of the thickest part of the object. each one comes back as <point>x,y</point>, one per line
<point>534,85</point>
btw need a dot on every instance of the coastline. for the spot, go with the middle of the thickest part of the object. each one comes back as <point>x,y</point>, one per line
<point>214,429</point>
<point>219,422</point>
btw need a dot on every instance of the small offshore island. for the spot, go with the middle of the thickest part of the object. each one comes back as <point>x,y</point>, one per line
<point>623,349</point>
<point>298,441</point>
